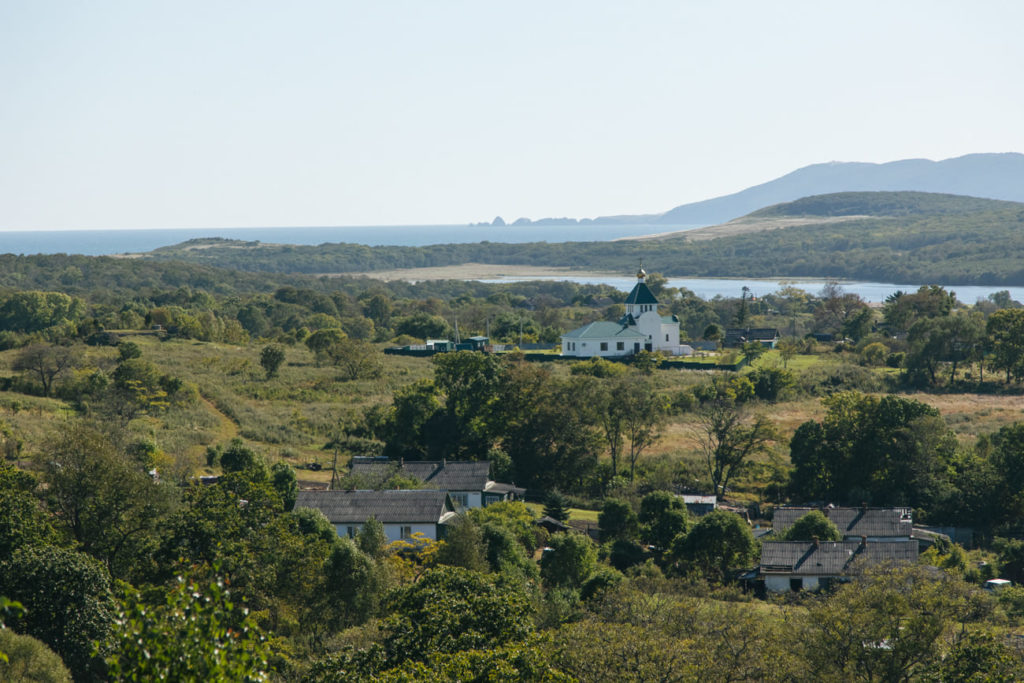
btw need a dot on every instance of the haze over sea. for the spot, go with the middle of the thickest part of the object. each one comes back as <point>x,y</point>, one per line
<point>109,242</point>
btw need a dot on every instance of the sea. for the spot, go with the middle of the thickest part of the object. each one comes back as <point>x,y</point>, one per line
<point>111,242</point>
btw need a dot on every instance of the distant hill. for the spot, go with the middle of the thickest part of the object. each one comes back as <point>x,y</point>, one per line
<point>900,237</point>
<point>992,176</point>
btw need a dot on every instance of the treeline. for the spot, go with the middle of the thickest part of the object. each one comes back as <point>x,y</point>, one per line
<point>935,238</point>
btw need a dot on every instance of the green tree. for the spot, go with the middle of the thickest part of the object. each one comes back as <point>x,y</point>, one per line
<point>813,525</point>
<point>556,506</point>
<point>617,520</point>
<point>470,383</point>
<point>238,457</point>
<point>372,539</point>
<point>887,451</point>
<point>355,358</point>
<point>353,585</point>
<point>106,500</point>
<point>23,521</point>
<point>197,633</point>
<point>662,518</point>
<point>788,348</point>
<point>728,438</point>
<point>320,341</point>
<point>29,660</point>
<point>569,561</point>
<point>452,609</point>
<point>644,413</point>
<point>1005,328</point>
<point>889,625</point>
<point>718,544</point>
<point>271,358</point>
<point>68,604</point>
<point>46,363</point>
<point>463,546</point>
<point>128,350</point>
<point>283,479</point>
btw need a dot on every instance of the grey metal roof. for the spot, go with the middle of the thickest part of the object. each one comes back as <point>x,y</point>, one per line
<point>448,475</point>
<point>855,522</point>
<point>603,330</point>
<point>420,506</point>
<point>641,294</point>
<point>751,333</point>
<point>832,558</point>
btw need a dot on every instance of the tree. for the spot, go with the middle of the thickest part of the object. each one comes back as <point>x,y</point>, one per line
<point>353,585</point>
<point>282,478</point>
<point>556,506</point>
<point>718,544</point>
<point>238,457</point>
<point>37,311</point>
<point>569,561</point>
<point>45,362</point>
<point>372,539</point>
<point>355,358</point>
<point>24,659</point>
<point>68,603</point>
<point>452,609</point>
<point>106,500</point>
<point>788,348</point>
<point>617,521</point>
<point>1005,328</point>
<point>813,526</point>
<point>271,358</point>
<point>23,521</point>
<point>887,451</point>
<point>643,415</point>
<point>889,625</point>
<point>470,383</point>
<point>197,633</point>
<point>662,518</point>
<point>320,341</point>
<point>713,332</point>
<point>728,439</point>
<point>463,546</point>
<point>128,350</point>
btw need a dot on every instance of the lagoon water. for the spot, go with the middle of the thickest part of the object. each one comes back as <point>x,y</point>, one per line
<point>709,288</point>
<point>103,242</point>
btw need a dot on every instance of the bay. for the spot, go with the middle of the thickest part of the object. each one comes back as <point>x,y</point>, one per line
<point>709,288</point>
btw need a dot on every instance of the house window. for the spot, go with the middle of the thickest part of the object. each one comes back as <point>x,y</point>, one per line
<point>604,346</point>
<point>351,531</point>
<point>406,532</point>
<point>460,499</point>
<point>620,346</point>
<point>796,584</point>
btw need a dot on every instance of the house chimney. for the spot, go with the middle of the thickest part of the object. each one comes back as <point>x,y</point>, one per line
<point>817,543</point>
<point>401,462</point>
<point>863,541</point>
<point>444,461</point>
<point>863,506</point>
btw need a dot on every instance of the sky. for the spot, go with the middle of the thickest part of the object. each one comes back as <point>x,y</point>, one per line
<point>221,113</point>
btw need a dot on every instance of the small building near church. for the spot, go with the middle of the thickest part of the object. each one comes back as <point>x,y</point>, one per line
<point>641,328</point>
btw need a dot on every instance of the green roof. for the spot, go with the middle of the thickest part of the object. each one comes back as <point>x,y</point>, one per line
<point>641,294</point>
<point>603,330</point>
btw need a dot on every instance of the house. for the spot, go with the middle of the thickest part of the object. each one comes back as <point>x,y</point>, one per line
<point>641,328</point>
<point>467,482</point>
<point>402,512</point>
<point>799,565</point>
<point>698,506</point>
<point>875,524</point>
<point>735,337</point>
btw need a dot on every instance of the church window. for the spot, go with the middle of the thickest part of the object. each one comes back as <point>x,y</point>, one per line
<point>666,337</point>
<point>604,346</point>
<point>620,346</point>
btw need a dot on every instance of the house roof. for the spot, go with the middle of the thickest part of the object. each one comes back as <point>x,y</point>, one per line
<point>751,333</point>
<point>420,506</point>
<point>832,558</point>
<point>691,499</point>
<point>603,330</point>
<point>641,294</point>
<point>896,522</point>
<point>449,475</point>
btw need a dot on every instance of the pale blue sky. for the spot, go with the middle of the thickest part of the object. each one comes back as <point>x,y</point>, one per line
<point>214,113</point>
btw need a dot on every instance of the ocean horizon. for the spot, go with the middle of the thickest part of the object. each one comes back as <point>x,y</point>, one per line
<point>130,241</point>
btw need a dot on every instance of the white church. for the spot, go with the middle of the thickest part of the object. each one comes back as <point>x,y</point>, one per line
<point>641,328</point>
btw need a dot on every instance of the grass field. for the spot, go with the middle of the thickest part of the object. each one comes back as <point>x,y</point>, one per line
<point>292,416</point>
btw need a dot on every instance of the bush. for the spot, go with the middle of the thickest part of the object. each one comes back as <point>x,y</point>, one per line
<point>29,660</point>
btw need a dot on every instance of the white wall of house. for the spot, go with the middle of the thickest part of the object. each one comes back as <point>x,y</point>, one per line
<point>779,583</point>
<point>394,532</point>
<point>473,499</point>
<point>598,347</point>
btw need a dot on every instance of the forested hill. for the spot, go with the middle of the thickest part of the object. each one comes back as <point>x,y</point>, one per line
<point>999,176</point>
<point>901,237</point>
